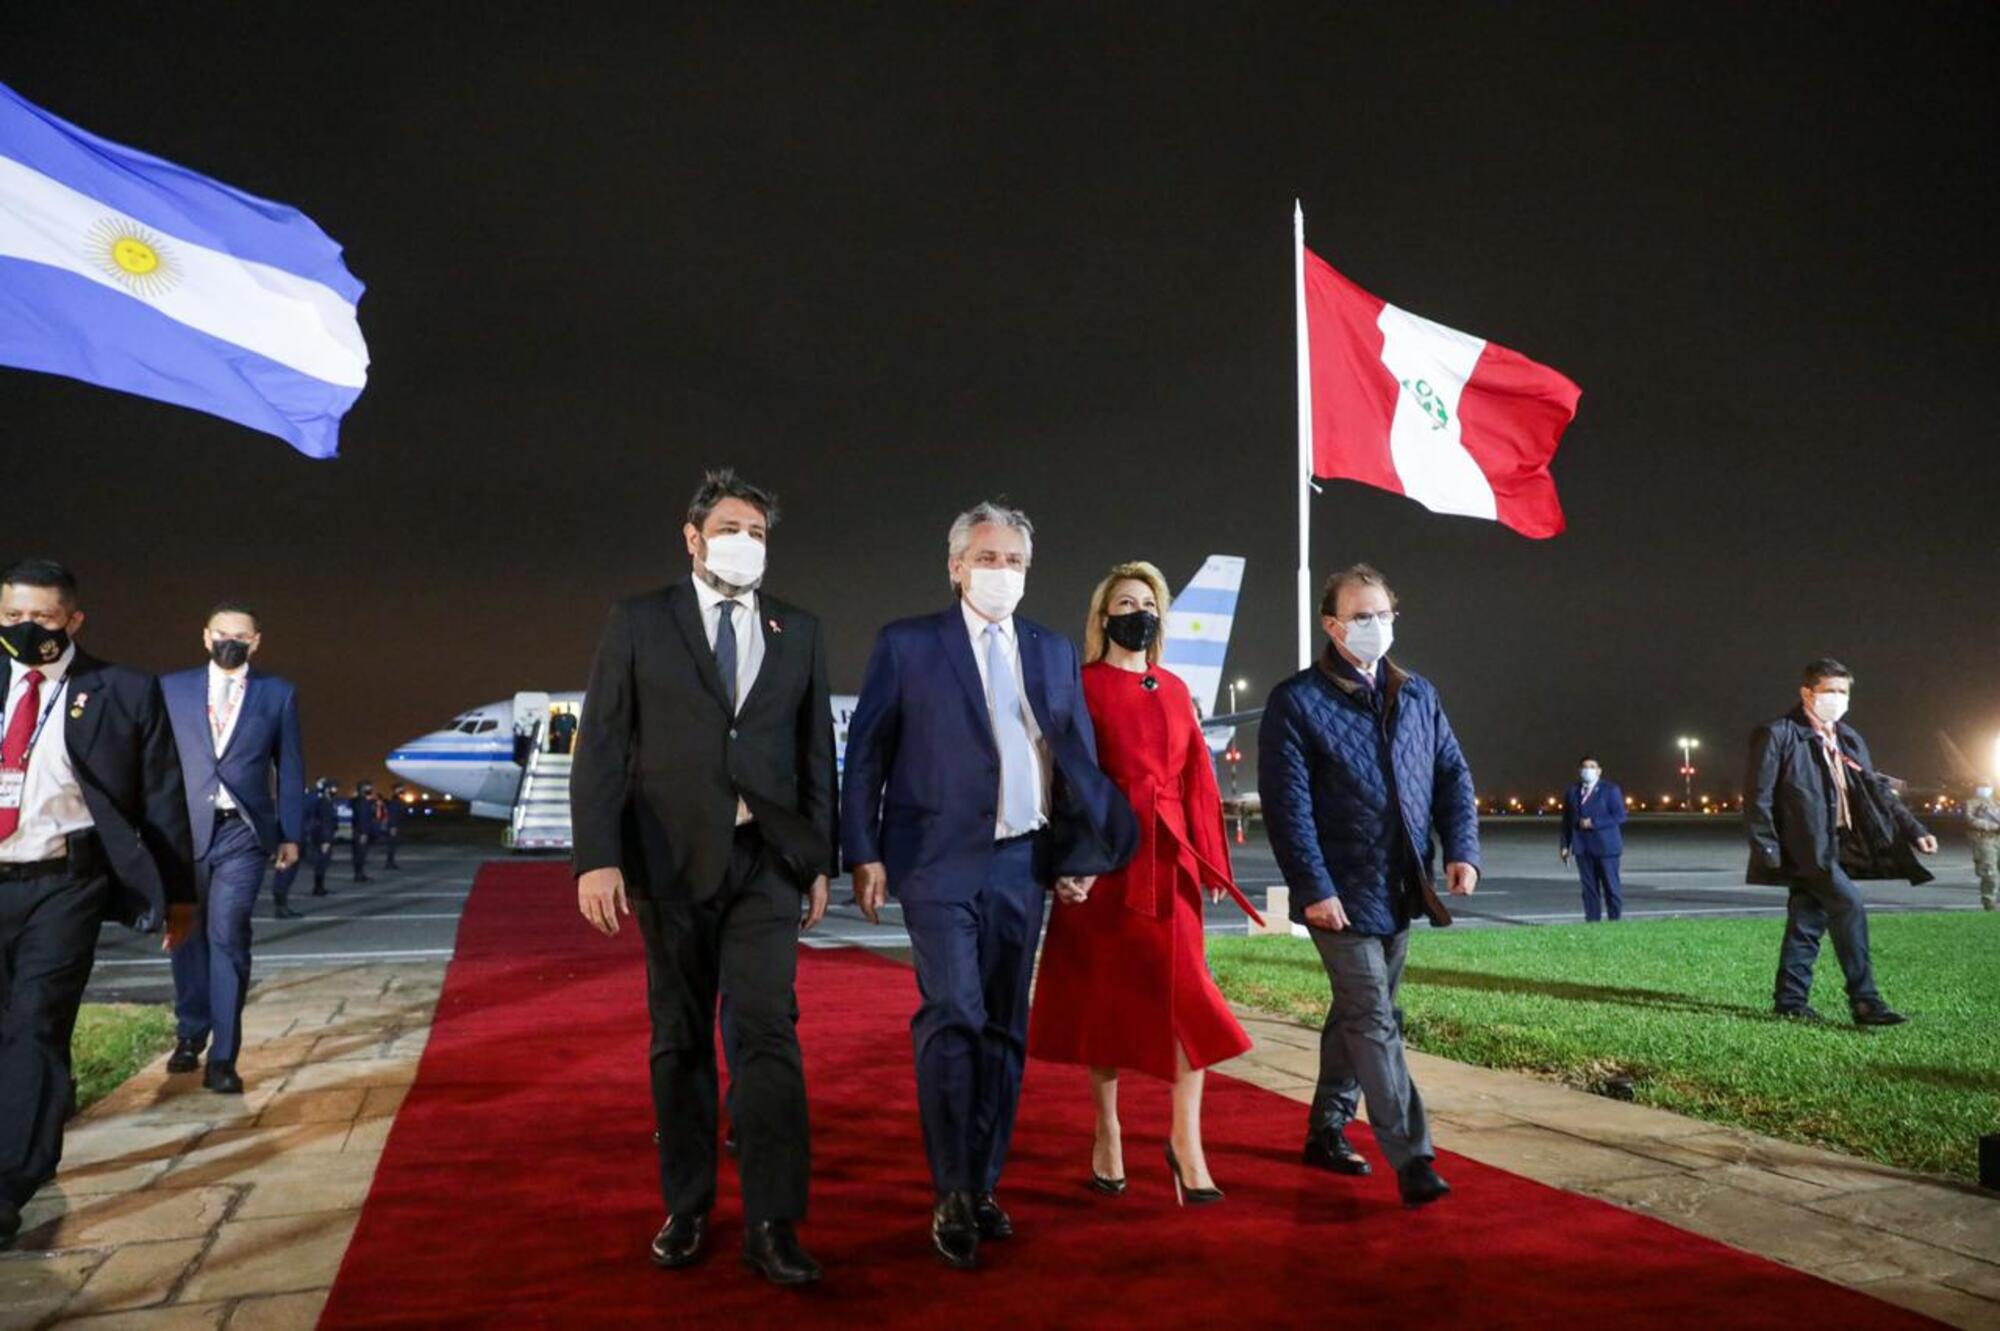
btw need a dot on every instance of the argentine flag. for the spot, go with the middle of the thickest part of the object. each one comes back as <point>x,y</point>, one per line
<point>123,270</point>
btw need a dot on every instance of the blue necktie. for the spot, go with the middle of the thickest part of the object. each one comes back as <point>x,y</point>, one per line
<point>725,650</point>
<point>1017,771</point>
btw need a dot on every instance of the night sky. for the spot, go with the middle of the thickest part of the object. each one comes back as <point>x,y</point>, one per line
<point>891,261</point>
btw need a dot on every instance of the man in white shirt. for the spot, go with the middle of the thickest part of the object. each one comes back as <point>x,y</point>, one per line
<point>244,767</point>
<point>93,825</point>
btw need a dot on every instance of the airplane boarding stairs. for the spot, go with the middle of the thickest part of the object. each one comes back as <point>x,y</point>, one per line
<point>540,820</point>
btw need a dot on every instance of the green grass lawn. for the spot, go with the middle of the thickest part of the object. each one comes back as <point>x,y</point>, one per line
<point>1683,1008</point>
<point>113,1041</point>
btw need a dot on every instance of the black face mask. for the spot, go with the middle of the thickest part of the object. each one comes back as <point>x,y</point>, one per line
<point>1134,632</point>
<point>229,653</point>
<point>31,644</point>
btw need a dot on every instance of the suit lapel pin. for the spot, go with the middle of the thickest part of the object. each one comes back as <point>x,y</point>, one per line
<point>775,626</point>
<point>76,707</point>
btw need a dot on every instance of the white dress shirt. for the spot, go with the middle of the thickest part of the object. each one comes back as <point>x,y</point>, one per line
<point>749,646</point>
<point>1010,647</point>
<point>51,802</point>
<point>220,682</point>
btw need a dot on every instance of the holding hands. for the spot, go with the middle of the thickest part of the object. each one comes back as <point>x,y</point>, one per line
<point>1073,891</point>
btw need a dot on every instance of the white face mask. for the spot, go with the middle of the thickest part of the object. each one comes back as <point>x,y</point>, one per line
<point>1370,642</point>
<point>737,559</point>
<point>1829,706</point>
<point>994,592</point>
<point>1589,775</point>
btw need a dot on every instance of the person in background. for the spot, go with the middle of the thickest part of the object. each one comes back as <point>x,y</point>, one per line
<point>1124,980</point>
<point>1982,825</point>
<point>93,826</point>
<point>282,880</point>
<point>393,811</point>
<point>239,738</point>
<point>361,824</point>
<point>1819,816</point>
<point>321,830</point>
<point>562,731</point>
<point>1360,771</point>
<point>1593,810</point>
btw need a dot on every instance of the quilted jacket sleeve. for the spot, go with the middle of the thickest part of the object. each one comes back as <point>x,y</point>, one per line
<point>1285,782</point>
<point>1453,808</point>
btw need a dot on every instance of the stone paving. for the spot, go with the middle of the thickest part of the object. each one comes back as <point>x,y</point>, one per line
<point>179,1208</point>
<point>1925,1243</point>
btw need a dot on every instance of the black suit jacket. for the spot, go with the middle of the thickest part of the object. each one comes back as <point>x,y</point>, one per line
<point>122,747</point>
<point>660,761</point>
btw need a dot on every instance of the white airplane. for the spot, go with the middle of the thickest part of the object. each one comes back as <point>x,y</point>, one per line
<point>474,758</point>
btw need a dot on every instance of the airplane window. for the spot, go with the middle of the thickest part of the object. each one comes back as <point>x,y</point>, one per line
<point>467,727</point>
<point>486,727</point>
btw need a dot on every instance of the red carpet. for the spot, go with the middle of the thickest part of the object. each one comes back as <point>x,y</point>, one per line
<point>518,1188</point>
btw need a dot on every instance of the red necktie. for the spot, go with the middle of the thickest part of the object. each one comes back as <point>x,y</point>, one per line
<point>14,747</point>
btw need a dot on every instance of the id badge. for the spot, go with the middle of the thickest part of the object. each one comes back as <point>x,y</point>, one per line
<point>12,784</point>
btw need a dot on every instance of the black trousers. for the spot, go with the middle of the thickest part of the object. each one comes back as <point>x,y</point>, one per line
<point>48,942</point>
<point>743,940</point>
<point>1817,907</point>
<point>361,844</point>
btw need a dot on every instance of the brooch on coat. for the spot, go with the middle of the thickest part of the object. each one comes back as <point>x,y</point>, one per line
<point>1149,683</point>
<point>76,706</point>
<point>775,626</point>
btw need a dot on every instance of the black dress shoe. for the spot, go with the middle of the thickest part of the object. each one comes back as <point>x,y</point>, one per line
<point>679,1241</point>
<point>1801,1012</point>
<point>287,913</point>
<point>1420,1184</point>
<point>772,1250</point>
<point>1877,1013</point>
<point>185,1058</point>
<point>955,1231</point>
<point>1329,1149</point>
<point>993,1222</point>
<point>221,1078</point>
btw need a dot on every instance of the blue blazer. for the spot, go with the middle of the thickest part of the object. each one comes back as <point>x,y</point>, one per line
<point>922,778</point>
<point>1606,810</point>
<point>265,747</point>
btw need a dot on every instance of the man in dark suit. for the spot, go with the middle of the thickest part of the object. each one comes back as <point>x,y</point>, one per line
<point>237,730</point>
<point>971,786</point>
<point>361,825</point>
<point>93,825</point>
<point>704,786</point>
<point>1820,816</point>
<point>1593,810</point>
<point>322,827</point>
<point>393,810</point>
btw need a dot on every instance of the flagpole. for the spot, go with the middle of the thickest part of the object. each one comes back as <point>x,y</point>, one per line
<point>1305,461</point>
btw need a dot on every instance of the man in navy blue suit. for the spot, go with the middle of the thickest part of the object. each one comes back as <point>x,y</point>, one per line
<point>971,787</point>
<point>243,763</point>
<point>1592,810</point>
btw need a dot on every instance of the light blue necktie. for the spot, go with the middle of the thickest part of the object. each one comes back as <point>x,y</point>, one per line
<point>1017,770</point>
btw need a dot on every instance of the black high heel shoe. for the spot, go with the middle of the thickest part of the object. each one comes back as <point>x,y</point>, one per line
<point>1110,1187</point>
<point>1183,1194</point>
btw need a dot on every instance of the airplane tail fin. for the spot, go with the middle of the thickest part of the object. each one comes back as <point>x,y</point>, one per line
<point>1198,626</point>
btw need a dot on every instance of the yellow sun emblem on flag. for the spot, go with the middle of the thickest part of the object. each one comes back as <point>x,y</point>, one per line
<point>133,256</point>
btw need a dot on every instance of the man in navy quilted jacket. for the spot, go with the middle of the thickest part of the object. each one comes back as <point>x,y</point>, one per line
<point>1360,774</point>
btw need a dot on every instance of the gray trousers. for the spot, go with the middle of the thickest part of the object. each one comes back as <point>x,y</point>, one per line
<point>1361,1046</point>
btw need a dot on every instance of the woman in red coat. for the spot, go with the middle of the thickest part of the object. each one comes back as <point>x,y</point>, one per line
<point>1124,982</point>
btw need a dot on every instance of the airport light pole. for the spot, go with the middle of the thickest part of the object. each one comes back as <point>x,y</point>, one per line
<point>1235,755</point>
<point>1688,745</point>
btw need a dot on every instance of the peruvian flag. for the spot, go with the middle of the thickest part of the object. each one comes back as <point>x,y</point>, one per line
<point>1455,422</point>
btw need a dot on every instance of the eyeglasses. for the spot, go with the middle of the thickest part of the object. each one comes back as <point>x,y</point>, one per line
<point>1383,617</point>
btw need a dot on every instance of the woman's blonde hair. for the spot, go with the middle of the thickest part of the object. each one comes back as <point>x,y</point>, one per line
<point>1094,645</point>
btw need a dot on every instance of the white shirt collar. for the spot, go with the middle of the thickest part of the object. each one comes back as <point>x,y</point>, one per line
<point>216,675</point>
<point>711,598</point>
<point>52,673</point>
<point>976,623</point>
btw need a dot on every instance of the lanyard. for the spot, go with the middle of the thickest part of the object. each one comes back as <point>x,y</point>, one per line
<point>55,696</point>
